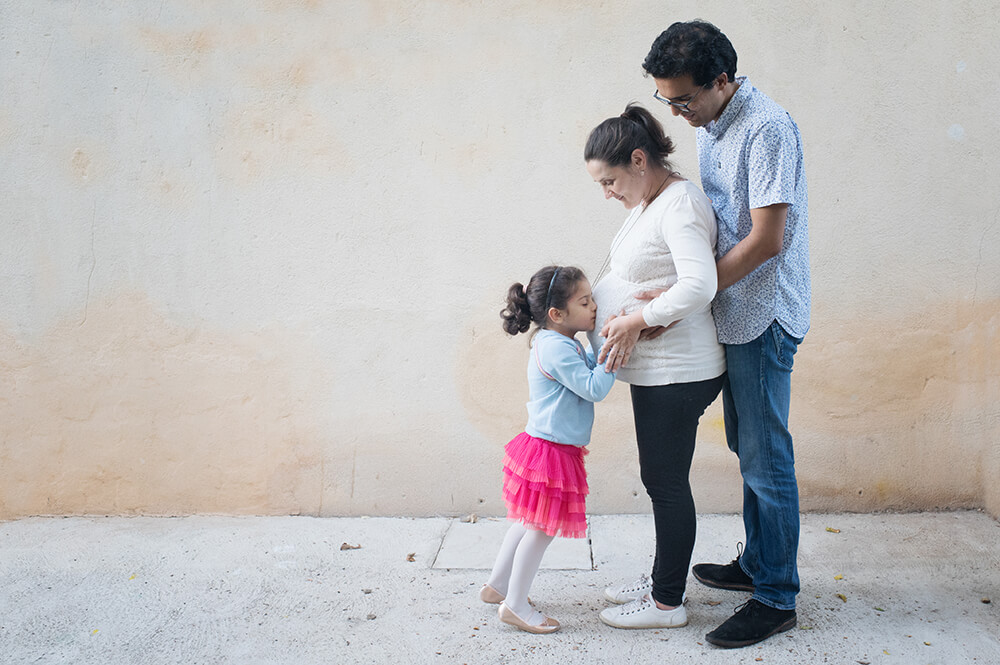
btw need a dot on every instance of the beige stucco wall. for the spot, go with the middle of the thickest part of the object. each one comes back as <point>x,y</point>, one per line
<point>252,253</point>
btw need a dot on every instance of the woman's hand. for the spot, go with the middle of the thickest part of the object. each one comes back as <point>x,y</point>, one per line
<point>621,333</point>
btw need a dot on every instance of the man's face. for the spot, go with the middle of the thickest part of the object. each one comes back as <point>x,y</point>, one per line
<point>699,106</point>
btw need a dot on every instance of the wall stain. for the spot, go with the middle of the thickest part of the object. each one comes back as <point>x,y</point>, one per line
<point>81,164</point>
<point>897,414</point>
<point>132,412</point>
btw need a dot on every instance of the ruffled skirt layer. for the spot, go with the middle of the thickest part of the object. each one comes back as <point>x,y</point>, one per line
<point>545,486</point>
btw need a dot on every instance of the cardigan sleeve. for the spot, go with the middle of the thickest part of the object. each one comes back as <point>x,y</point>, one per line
<point>565,360</point>
<point>687,226</point>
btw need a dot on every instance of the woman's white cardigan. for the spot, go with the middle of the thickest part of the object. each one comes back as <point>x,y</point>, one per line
<point>670,243</point>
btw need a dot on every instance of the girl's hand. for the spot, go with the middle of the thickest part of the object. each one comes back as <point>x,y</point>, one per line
<point>607,323</point>
<point>622,333</point>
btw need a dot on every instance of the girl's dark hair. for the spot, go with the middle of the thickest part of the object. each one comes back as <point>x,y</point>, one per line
<point>697,49</point>
<point>552,286</point>
<point>614,140</point>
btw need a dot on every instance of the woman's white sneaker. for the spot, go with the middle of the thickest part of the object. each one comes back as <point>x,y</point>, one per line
<point>643,613</point>
<point>628,592</point>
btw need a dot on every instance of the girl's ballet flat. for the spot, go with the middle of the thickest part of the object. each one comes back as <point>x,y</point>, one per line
<point>490,595</point>
<point>507,616</point>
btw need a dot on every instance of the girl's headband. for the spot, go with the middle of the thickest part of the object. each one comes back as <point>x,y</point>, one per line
<point>548,294</point>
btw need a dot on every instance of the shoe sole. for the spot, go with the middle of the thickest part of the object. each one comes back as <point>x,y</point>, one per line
<point>749,588</point>
<point>614,625</point>
<point>736,644</point>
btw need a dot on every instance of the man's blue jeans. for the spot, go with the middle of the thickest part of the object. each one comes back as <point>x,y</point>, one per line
<point>755,399</point>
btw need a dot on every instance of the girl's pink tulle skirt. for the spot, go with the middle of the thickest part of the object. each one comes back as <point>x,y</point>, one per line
<point>545,486</point>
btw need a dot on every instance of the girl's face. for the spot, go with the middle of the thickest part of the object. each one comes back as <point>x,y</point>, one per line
<point>580,313</point>
<point>618,182</point>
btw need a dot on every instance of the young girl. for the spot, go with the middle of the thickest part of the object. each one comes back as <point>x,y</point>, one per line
<point>544,481</point>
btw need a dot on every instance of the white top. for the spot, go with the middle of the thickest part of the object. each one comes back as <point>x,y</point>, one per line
<point>669,243</point>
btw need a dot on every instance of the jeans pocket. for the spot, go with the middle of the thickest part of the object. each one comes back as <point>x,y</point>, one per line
<point>785,345</point>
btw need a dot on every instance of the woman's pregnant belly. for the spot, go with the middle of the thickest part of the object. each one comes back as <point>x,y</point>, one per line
<point>612,295</point>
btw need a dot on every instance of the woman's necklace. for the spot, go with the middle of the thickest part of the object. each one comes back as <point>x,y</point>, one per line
<point>620,238</point>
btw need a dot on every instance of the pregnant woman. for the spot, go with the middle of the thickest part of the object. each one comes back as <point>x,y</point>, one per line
<point>665,345</point>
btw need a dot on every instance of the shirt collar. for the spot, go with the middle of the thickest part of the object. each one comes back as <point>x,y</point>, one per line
<point>717,128</point>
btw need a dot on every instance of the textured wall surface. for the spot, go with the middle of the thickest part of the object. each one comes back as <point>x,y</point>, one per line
<point>252,253</point>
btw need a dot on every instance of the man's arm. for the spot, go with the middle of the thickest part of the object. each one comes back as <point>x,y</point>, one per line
<point>764,242</point>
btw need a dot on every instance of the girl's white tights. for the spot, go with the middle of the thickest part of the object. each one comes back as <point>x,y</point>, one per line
<point>517,562</point>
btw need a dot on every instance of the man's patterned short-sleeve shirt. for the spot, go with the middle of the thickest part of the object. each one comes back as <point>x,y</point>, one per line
<point>751,157</point>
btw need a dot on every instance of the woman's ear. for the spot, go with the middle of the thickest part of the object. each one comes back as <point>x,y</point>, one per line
<point>639,159</point>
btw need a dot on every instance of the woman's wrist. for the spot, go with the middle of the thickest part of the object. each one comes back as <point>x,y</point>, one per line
<point>636,322</point>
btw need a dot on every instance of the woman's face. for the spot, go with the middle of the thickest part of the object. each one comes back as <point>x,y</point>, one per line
<point>618,182</point>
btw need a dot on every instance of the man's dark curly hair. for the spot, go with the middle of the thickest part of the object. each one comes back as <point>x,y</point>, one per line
<point>696,48</point>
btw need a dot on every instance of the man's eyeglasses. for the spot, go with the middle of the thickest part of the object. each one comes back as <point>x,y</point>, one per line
<point>682,106</point>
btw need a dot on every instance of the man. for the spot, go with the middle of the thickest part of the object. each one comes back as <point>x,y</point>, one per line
<point>750,157</point>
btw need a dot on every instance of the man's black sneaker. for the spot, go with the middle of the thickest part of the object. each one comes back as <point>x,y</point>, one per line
<point>730,576</point>
<point>753,622</point>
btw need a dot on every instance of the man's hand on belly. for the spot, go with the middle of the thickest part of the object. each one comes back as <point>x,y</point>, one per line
<point>654,331</point>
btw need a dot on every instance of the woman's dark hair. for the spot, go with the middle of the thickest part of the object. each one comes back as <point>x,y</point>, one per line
<point>696,48</point>
<point>552,286</point>
<point>614,140</point>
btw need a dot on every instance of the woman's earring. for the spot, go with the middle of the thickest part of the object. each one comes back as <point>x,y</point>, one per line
<point>642,173</point>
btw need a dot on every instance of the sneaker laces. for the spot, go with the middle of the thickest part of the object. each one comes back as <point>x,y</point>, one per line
<point>637,605</point>
<point>638,585</point>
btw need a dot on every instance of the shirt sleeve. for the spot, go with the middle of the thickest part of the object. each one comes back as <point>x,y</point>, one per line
<point>687,229</point>
<point>772,164</point>
<point>563,362</point>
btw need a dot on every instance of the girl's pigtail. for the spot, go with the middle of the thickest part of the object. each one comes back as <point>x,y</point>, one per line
<point>517,314</point>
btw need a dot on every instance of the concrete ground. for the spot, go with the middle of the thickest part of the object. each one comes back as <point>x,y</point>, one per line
<point>885,588</point>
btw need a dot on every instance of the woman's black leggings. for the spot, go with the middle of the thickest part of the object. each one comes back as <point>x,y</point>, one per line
<point>666,422</point>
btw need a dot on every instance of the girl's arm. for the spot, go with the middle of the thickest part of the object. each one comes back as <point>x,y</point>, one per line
<point>564,363</point>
